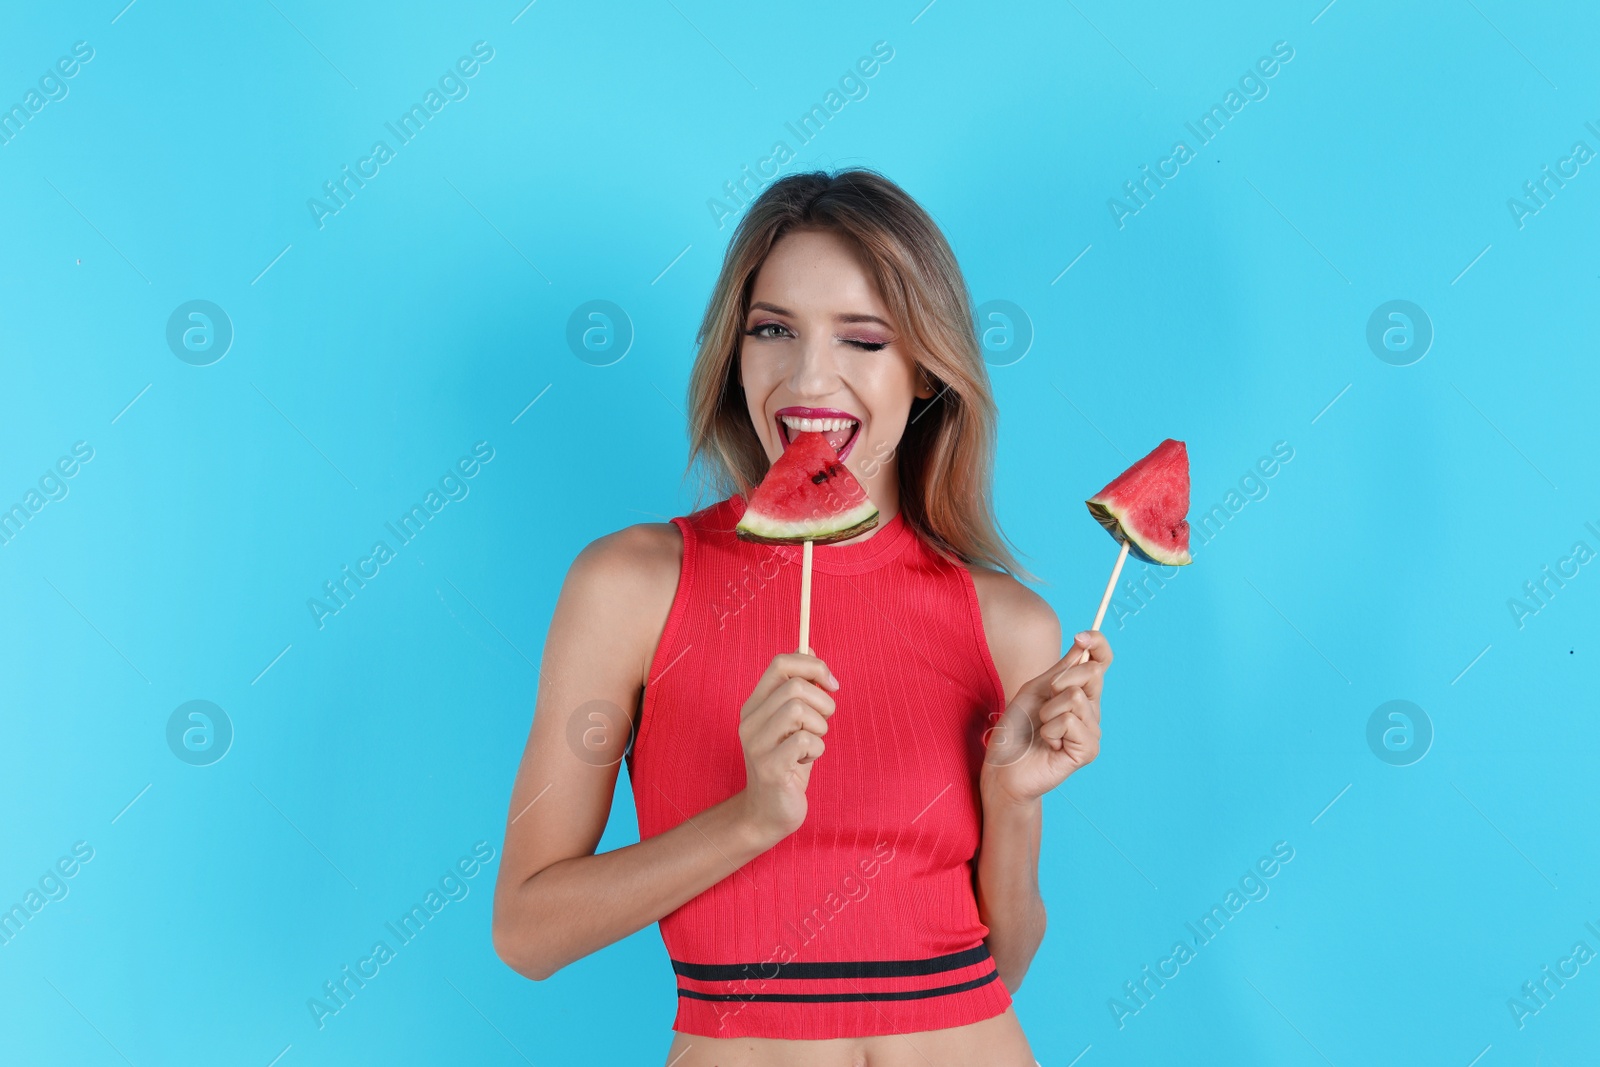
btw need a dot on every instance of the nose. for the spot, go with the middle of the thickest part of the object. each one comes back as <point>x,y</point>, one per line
<point>815,374</point>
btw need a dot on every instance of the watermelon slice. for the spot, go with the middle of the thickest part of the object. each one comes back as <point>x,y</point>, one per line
<point>1146,504</point>
<point>807,495</point>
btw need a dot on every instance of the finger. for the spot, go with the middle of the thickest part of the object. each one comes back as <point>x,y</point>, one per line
<point>1052,712</point>
<point>1082,737</point>
<point>1055,712</point>
<point>1054,730</point>
<point>774,720</point>
<point>1090,677</point>
<point>1071,704</point>
<point>789,719</point>
<point>785,666</point>
<point>1090,643</point>
<point>801,748</point>
<point>803,690</point>
<point>1097,644</point>
<point>1044,684</point>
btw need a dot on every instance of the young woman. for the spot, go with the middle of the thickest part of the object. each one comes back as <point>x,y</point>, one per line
<point>841,848</point>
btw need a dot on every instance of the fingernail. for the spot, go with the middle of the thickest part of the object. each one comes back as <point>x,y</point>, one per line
<point>1085,635</point>
<point>833,683</point>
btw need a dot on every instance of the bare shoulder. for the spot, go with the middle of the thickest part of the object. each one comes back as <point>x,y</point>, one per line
<point>1023,632</point>
<point>643,555</point>
<point>620,588</point>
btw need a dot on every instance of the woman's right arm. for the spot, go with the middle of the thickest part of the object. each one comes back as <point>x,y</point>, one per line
<point>555,900</point>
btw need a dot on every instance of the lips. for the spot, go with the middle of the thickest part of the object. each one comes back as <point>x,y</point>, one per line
<point>839,428</point>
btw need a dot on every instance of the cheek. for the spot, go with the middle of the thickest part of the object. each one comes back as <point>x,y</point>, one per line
<point>754,379</point>
<point>889,388</point>
<point>906,380</point>
<point>761,372</point>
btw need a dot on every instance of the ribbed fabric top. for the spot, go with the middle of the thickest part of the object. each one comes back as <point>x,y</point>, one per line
<point>864,920</point>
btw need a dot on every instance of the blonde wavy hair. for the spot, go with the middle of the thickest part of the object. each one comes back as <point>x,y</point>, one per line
<point>946,455</point>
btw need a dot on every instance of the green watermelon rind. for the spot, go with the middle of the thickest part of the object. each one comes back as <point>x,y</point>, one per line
<point>766,530</point>
<point>1112,519</point>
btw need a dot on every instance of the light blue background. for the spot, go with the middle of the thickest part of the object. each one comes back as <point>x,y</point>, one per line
<point>425,316</point>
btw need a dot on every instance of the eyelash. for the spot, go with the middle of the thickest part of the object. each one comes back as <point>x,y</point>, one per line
<point>865,346</point>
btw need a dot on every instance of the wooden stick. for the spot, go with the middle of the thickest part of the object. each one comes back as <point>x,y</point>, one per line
<point>805,600</point>
<point>1105,600</point>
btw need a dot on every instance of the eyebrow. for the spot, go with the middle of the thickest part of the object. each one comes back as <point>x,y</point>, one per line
<point>775,309</point>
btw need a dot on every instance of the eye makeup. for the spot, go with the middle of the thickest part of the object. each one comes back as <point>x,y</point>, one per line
<point>863,343</point>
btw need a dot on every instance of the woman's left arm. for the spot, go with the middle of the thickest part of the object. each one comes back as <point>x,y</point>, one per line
<point>1008,884</point>
<point>1050,728</point>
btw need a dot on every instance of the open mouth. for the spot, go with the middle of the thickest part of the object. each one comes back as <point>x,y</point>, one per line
<point>838,428</point>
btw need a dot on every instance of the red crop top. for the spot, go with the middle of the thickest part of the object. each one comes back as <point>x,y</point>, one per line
<point>863,921</point>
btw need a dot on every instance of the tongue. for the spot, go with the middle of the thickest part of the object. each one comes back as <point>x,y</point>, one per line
<point>838,438</point>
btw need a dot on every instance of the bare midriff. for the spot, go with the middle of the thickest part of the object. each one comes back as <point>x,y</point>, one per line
<point>993,1042</point>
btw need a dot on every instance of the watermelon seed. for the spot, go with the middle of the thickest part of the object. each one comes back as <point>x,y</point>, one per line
<point>825,473</point>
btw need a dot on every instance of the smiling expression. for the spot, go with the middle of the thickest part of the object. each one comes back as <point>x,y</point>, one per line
<point>821,353</point>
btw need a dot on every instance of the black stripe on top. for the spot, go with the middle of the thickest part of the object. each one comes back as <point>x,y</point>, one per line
<point>734,972</point>
<point>905,994</point>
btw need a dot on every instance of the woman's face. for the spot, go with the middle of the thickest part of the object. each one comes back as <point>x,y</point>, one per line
<point>819,345</point>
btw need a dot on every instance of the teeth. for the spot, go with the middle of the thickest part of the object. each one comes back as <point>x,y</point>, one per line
<point>816,425</point>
